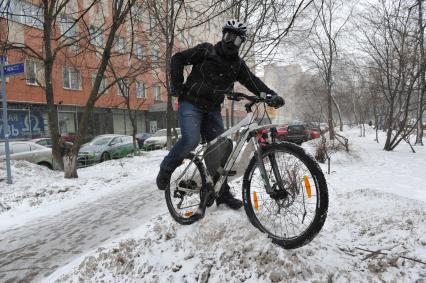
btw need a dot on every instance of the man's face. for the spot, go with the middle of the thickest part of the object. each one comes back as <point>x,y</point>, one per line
<point>232,37</point>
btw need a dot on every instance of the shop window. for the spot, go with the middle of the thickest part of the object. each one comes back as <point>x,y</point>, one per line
<point>67,122</point>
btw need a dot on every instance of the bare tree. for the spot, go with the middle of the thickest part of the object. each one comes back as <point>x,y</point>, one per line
<point>323,43</point>
<point>390,32</point>
<point>120,9</point>
<point>58,21</point>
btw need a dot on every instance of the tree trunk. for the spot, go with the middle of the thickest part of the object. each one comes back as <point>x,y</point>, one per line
<point>49,92</point>
<point>330,114</point>
<point>70,163</point>
<point>118,19</point>
<point>338,112</point>
<point>420,103</point>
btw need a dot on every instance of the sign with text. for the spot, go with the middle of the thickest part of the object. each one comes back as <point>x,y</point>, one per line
<point>23,126</point>
<point>14,69</point>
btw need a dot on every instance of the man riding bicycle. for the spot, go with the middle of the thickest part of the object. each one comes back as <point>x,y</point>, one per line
<point>215,68</point>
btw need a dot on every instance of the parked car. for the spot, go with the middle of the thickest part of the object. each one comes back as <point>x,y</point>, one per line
<point>69,137</point>
<point>296,133</point>
<point>105,147</point>
<point>29,151</point>
<point>159,139</point>
<point>47,142</point>
<point>314,133</point>
<point>141,137</point>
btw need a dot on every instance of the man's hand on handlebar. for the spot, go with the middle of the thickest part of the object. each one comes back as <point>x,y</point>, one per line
<point>274,100</point>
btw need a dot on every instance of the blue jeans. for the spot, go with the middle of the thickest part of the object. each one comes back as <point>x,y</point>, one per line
<point>194,121</point>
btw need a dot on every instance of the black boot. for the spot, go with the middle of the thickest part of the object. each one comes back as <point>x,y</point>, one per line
<point>227,198</point>
<point>163,179</point>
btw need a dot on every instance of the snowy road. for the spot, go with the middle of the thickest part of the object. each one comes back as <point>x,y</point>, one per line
<point>33,251</point>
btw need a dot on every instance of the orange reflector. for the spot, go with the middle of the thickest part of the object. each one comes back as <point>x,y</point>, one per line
<point>307,186</point>
<point>188,214</point>
<point>256,201</point>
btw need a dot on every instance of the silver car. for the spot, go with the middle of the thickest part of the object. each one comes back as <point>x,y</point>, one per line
<point>29,151</point>
<point>105,147</point>
<point>159,139</point>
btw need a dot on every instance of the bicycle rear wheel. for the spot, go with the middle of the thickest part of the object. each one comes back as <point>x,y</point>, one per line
<point>186,190</point>
<point>296,213</point>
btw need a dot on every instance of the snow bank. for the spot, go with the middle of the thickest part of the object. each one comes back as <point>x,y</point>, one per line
<point>377,204</point>
<point>35,186</point>
<point>224,247</point>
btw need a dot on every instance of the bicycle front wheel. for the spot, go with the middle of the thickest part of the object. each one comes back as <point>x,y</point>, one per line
<point>295,213</point>
<point>186,190</point>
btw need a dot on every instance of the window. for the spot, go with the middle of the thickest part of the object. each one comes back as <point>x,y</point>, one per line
<point>139,51</point>
<point>32,15</point>
<point>116,140</point>
<point>157,92</point>
<point>137,14</point>
<point>72,78</point>
<point>34,72</point>
<point>22,12</point>
<point>122,87</point>
<point>120,45</point>
<point>154,57</point>
<point>96,36</point>
<point>68,27</point>
<point>102,86</point>
<point>190,40</point>
<point>75,48</point>
<point>140,90</point>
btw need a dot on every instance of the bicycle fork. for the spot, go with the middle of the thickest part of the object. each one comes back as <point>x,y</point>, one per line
<point>264,174</point>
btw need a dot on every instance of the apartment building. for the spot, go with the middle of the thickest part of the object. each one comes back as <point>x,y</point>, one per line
<point>138,62</point>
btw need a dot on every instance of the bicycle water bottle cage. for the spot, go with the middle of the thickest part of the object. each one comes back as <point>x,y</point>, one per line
<point>216,156</point>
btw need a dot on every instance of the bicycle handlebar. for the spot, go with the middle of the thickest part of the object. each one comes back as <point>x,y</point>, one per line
<point>239,95</point>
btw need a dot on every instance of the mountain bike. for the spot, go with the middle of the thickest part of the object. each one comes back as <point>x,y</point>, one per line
<point>284,191</point>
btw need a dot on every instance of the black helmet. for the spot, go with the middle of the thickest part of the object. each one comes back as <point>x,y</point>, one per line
<point>236,26</point>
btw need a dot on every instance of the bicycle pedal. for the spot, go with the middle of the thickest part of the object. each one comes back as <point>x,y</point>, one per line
<point>232,173</point>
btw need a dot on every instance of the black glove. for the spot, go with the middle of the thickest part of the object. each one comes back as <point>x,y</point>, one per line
<point>276,101</point>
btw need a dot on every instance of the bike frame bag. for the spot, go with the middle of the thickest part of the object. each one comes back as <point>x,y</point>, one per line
<point>216,156</point>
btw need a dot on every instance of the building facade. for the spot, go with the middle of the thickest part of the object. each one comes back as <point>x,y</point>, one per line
<point>284,80</point>
<point>135,86</point>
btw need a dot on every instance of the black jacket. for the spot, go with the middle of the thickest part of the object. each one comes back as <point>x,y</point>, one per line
<point>211,70</point>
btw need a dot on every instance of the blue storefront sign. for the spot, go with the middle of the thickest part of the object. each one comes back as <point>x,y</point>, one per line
<point>22,125</point>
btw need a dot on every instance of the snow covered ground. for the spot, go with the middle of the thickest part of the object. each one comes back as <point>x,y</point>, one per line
<point>377,203</point>
<point>36,191</point>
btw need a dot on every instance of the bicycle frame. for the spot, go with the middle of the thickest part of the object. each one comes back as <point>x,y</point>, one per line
<point>252,126</point>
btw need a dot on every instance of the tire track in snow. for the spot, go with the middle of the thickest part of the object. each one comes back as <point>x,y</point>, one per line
<point>31,252</point>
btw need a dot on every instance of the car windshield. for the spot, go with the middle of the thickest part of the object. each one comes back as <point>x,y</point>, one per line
<point>160,133</point>
<point>100,141</point>
<point>296,128</point>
